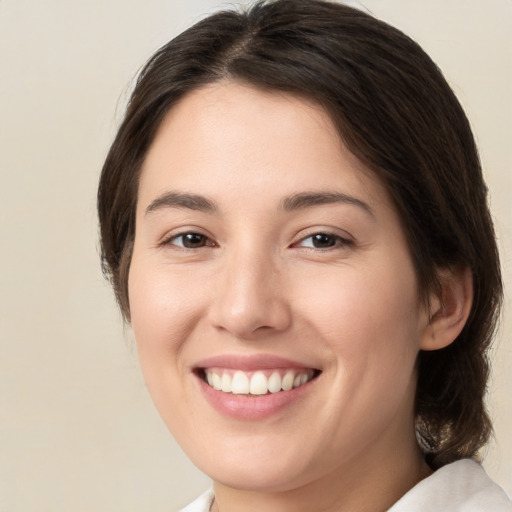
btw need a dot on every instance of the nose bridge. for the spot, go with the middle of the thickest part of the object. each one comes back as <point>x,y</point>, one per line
<point>251,294</point>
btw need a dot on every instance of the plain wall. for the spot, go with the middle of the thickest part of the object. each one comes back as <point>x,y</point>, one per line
<point>78,431</point>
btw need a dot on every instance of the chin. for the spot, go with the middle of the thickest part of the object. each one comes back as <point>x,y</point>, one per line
<point>259,478</point>
<point>270,469</point>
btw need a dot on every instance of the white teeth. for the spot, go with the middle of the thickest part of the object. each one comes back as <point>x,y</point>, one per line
<point>216,381</point>
<point>259,384</point>
<point>274,383</point>
<point>288,381</point>
<point>226,383</point>
<point>239,383</point>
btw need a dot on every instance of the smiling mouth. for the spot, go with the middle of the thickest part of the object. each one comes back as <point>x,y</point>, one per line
<point>256,383</point>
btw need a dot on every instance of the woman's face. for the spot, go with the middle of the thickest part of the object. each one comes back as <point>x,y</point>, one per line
<point>265,257</point>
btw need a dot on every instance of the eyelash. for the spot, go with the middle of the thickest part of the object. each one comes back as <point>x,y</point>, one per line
<point>334,241</point>
<point>337,241</point>
<point>170,240</point>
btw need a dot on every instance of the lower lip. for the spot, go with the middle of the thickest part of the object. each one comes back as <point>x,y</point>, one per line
<point>252,407</point>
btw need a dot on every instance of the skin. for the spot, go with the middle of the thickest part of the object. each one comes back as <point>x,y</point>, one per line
<point>256,284</point>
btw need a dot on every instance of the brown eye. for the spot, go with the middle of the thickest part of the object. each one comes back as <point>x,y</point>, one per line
<point>322,241</point>
<point>191,241</point>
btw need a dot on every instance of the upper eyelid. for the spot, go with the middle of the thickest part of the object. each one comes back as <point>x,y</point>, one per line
<point>166,239</point>
<point>184,230</point>
<point>344,241</point>
<point>337,232</point>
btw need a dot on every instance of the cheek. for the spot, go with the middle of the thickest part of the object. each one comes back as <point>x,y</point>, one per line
<point>367,318</point>
<point>164,309</point>
<point>370,323</point>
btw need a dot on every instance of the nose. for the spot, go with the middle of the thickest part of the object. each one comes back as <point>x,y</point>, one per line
<point>250,300</point>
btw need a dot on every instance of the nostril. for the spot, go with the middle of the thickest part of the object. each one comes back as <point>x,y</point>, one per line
<point>248,301</point>
<point>255,320</point>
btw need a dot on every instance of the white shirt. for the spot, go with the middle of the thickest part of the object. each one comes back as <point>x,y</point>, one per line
<point>462,486</point>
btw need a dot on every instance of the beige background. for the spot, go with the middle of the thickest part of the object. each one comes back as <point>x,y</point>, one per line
<point>77,429</point>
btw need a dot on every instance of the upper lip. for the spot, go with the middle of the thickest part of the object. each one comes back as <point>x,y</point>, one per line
<point>250,363</point>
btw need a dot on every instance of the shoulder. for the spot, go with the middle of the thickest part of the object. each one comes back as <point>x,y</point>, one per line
<point>462,486</point>
<point>201,504</point>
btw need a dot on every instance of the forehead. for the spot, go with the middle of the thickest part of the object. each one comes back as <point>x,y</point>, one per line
<point>230,140</point>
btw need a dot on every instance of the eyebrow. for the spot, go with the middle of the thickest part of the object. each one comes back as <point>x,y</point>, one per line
<point>181,200</point>
<point>291,203</point>
<point>309,199</point>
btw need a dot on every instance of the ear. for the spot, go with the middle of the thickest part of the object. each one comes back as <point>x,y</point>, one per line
<point>449,308</point>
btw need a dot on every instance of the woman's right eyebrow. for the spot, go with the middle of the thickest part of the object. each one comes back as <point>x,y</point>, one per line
<point>182,200</point>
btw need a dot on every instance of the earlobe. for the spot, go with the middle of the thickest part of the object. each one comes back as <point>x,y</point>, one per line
<point>449,309</point>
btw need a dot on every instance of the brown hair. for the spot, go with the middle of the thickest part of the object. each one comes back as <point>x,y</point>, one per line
<point>396,113</point>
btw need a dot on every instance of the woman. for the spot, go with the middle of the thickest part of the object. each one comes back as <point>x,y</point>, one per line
<point>295,223</point>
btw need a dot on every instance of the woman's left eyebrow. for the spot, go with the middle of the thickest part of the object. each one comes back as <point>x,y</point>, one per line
<point>309,199</point>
